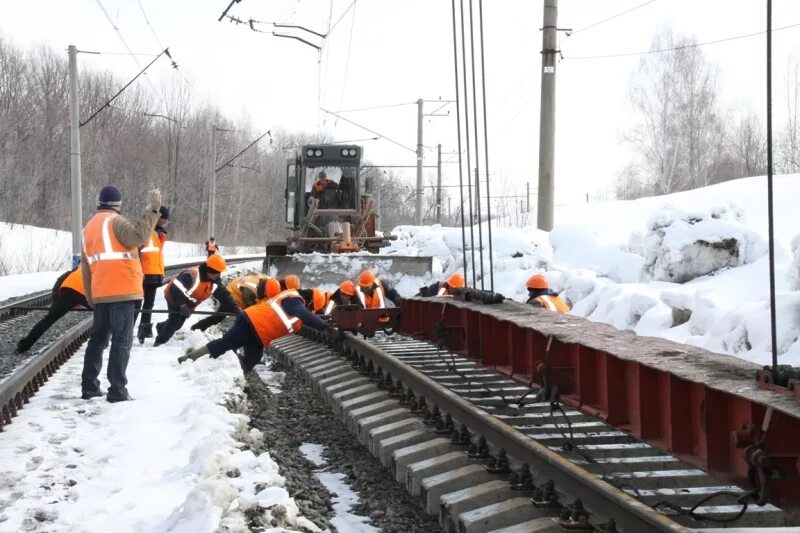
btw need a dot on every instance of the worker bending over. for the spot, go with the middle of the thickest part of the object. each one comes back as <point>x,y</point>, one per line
<point>290,283</point>
<point>245,291</point>
<point>373,293</point>
<point>344,295</point>
<point>444,288</point>
<point>67,294</point>
<point>151,255</point>
<point>188,290</point>
<point>262,323</point>
<point>540,295</point>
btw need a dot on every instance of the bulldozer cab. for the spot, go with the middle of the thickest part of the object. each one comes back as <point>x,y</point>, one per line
<point>322,182</point>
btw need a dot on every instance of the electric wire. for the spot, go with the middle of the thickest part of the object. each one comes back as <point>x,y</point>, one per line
<point>347,60</point>
<point>369,130</point>
<point>466,144</point>
<point>486,145</point>
<point>128,48</point>
<point>458,129</point>
<point>598,23</point>
<point>682,47</point>
<point>477,141</point>
<point>153,31</point>
<point>386,106</point>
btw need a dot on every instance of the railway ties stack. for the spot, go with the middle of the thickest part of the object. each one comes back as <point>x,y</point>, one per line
<point>470,483</point>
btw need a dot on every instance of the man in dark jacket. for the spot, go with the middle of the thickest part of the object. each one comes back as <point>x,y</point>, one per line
<point>211,246</point>
<point>188,290</point>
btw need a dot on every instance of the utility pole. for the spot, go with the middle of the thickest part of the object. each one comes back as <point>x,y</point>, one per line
<point>418,213</point>
<point>212,189</point>
<point>547,121</point>
<point>75,156</point>
<point>439,184</point>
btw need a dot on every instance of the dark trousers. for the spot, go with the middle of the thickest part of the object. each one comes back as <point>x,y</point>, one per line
<point>167,328</point>
<point>111,321</point>
<point>241,335</point>
<point>66,300</point>
<point>147,304</point>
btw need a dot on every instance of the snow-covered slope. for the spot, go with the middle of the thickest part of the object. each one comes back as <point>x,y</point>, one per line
<point>606,259</point>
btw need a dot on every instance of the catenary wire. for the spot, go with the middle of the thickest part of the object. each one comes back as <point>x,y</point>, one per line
<point>612,17</point>
<point>466,144</point>
<point>477,141</point>
<point>347,60</point>
<point>150,26</point>
<point>486,145</point>
<point>682,47</point>
<point>460,151</point>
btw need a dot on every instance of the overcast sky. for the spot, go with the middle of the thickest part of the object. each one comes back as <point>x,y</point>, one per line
<point>395,51</point>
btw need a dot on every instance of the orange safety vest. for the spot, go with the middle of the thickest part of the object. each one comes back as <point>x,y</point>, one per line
<point>244,283</point>
<point>152,256</point>
<point>197,292</point>
<point>553,303</point>
<point>376,301</point>
<point>212,247</point>
<point>330,305</point>
<point>74,281</point>
<point>270,321</point>
<point>115,270</point>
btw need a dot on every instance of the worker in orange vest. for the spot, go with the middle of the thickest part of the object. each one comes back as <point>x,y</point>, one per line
<point>246,291</point>
<point>344,295</point>
<point>189,289</point>
<point>444,288</point>
<point>373,293</point>
<point>211,246</point>
<point>152,257</point>
<point>540,295</point>
<point>67,294</point>
<point>112,279</point>
<point>290,282</point>
<point>264,322</point>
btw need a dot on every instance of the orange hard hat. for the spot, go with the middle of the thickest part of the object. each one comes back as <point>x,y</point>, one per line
<point>367,278</point>
<point>538,282</point>
<point>347,287</point>
<point>318,299</point>
<point>456,280</point>
<point>292,282</point>
<point>216,262</point>
<point>273,288</point>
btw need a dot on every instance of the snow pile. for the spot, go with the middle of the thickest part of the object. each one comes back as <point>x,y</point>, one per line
<point>179,458</point>
<point>579,247</point>
<point>682,246</point>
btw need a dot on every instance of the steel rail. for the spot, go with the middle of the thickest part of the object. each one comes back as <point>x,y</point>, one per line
<point>17,389</point>
<point>7,311</point>
<point>601,499</point>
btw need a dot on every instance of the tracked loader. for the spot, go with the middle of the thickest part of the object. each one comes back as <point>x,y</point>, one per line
<point>330,222</point>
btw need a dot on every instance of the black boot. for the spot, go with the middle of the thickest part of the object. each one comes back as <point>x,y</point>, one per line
<point>145,332</point>
<point>24,345</point>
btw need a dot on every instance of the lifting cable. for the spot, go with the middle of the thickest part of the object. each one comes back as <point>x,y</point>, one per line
<point>458,127</point>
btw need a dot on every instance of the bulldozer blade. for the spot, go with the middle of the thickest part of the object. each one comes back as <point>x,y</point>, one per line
<point>331,269</point>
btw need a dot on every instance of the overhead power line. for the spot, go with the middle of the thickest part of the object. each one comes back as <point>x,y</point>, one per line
<point>612,17</point>
<point>683,47</point>
<point>401,145</point>
<point>158,41</point>
<point>374,107</point>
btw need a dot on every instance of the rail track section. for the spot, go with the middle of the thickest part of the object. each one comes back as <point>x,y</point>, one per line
<point>485,453</point>
<point>17,388</point>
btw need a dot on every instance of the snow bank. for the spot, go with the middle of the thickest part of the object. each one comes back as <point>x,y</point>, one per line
<point>26,249</point>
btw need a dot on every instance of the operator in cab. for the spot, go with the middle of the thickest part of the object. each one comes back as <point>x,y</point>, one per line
<point>322,182</point>
<point>540,295</point>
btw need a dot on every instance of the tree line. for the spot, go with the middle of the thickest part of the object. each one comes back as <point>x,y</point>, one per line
<point>684,138</point>
<point>144,139</point>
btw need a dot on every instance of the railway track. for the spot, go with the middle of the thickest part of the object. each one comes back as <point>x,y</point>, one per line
<point>484,453</point>
<point>22,375</point>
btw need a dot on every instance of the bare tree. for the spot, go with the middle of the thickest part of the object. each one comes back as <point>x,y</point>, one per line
<point>681,131</point>
<point>788,156</point>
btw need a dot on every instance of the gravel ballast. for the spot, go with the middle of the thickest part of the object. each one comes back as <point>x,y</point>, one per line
<point>295,416</point>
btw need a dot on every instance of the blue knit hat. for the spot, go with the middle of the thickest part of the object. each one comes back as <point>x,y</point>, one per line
<point>164,212</point>
<point>109,196</point>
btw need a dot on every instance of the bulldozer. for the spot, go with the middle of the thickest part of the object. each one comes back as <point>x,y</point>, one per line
<point>330,220</point>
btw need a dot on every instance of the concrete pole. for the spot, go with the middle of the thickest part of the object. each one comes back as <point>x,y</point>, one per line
<point>439,184</point>
<point>547,122</point>
<point>418,213</point>
<point>75,156</point>
<point>212,188</point>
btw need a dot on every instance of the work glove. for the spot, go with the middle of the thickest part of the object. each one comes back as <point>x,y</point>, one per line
<point>184,311</point>
<point>154,199</point>
<point>423,291</point>
<point>196,326</point>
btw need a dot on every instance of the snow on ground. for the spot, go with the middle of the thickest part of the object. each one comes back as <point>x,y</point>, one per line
<point>626,263</point>
<point>175,459</point>
<point>25,249</point>
<point>343,497</point>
